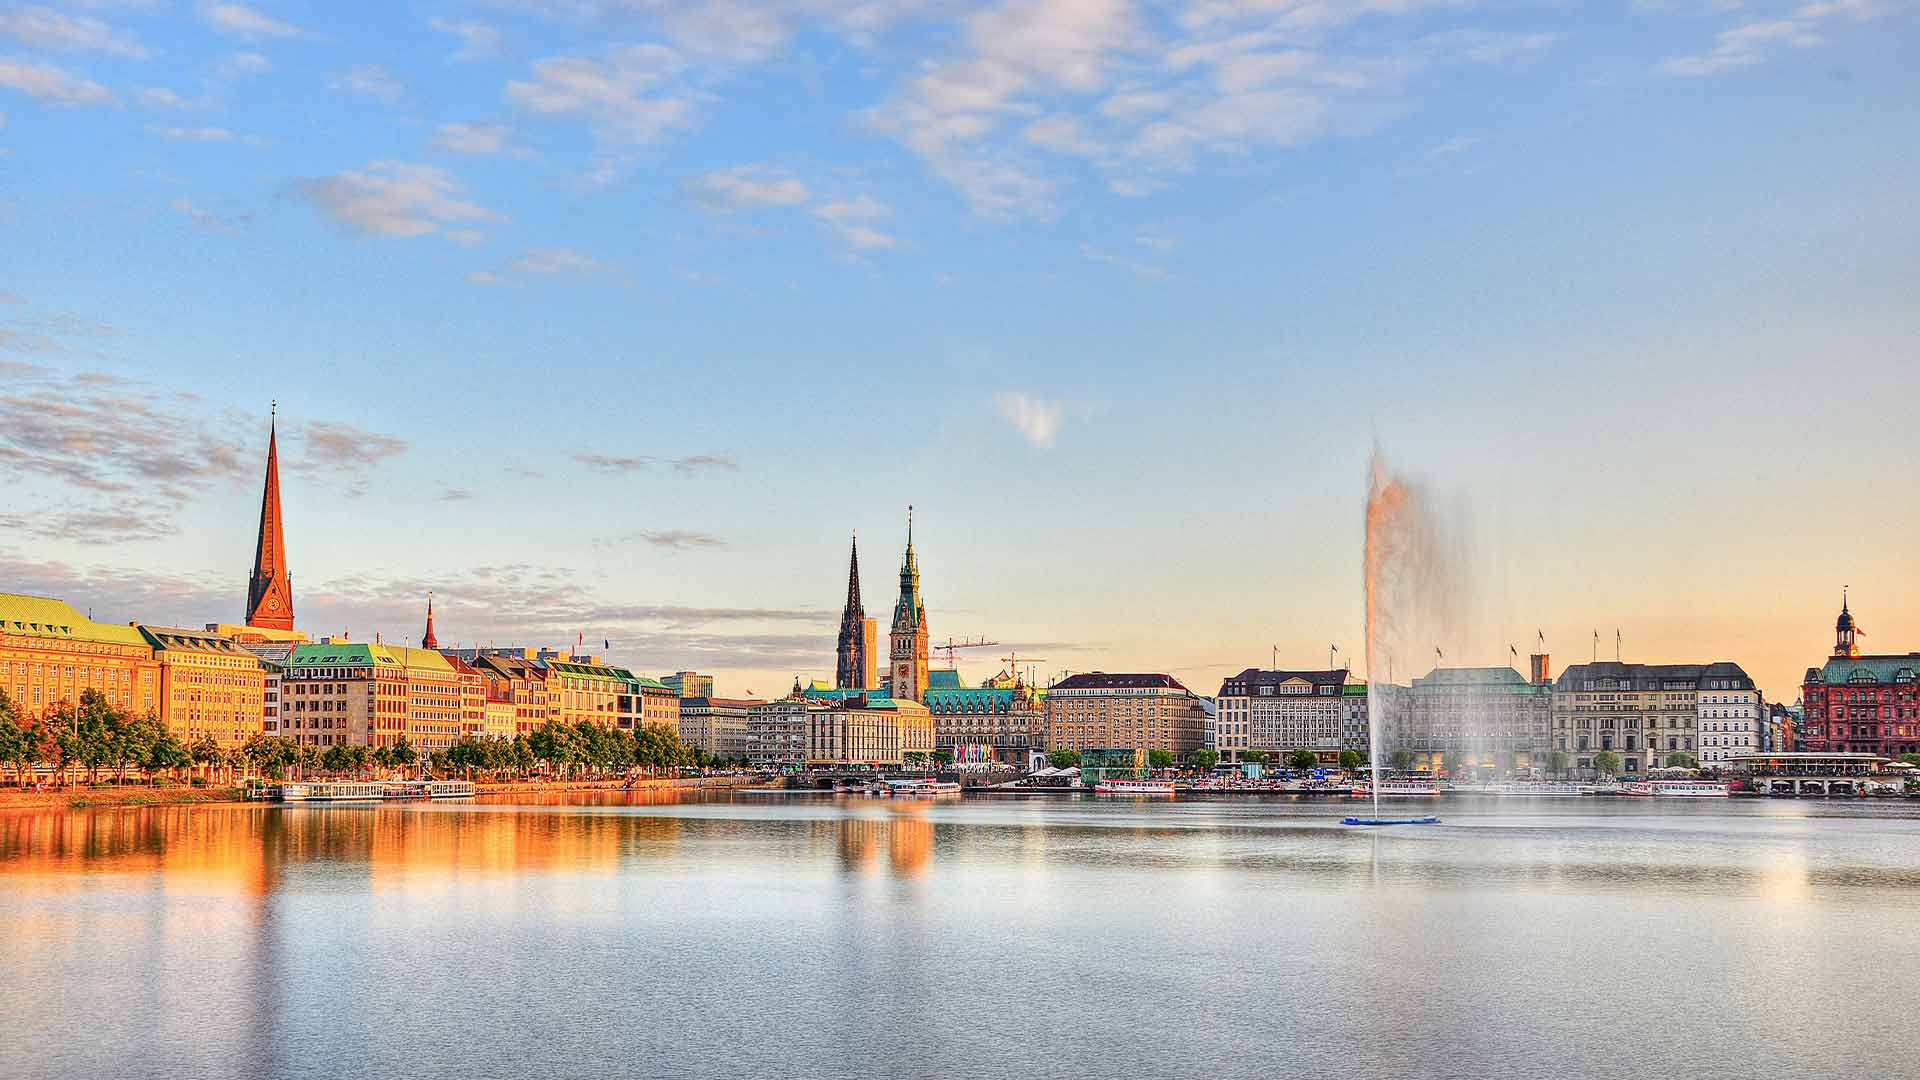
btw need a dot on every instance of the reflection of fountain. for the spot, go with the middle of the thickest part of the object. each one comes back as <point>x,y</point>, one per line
<point>1411,581</point>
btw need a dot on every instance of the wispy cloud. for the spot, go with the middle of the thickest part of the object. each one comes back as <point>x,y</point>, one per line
<point>247,23</point>
<point>694,463</point>
<point>628,96</point>
<point>1751,41</point>
<point>392,198</point>
<point>1036,419</point>
<point>746,188</point>
<point>203,135</point>
<point>44,28</point>
<point>54,85</point>
<point>207,220</point>
<point>544,262</point>
<point>480,140</point>
<point>370,81</point>
<point>478,40</point>
<point>677,539</point>
<point>1142,270</point>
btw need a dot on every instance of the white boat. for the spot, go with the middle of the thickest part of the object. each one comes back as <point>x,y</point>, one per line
<point>1675,789</point>
<point>913,788</point>
<point>1398,788</point>
<point>1523,789</point>
<point>1133,787</point>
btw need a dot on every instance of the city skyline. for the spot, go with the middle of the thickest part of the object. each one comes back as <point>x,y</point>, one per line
<point>602,320</point>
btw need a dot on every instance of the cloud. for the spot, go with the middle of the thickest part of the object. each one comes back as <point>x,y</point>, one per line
<point>705,463</point>
<point>246,23</point>
<point>543,262</point>
<point>695,463</point>
<point>132,522</point>
<point>746,187</point>
<point>1141,270</point>
<point>340,447</point>
<point>192,135</point>
<point>478,41</point>
<point>454,495</point>
<point>676,539</point>
<point>45,28</point>
<point>853,221</point>
<point>160,97</point>
<point>53,85</point>
<point>391,198</point>
<point>370,81</point>
<point>242,65</point>
<point>480,140</point>
<point>207,220</point>
<point>612,463</point>
<point>1037,420</point>
<point>629,99</point>
<point>1750,42</point>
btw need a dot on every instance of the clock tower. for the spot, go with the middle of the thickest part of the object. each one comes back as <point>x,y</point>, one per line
<point>270,587</point>
<point>907,652</point>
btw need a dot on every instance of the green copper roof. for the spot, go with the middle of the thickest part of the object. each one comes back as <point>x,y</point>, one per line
<point>45,617</point>
<point>1886,669</point>
<point>362,654</point>
<point>944,679</point>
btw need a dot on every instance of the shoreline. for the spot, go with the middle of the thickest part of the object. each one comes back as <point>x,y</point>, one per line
<point>109,796</point>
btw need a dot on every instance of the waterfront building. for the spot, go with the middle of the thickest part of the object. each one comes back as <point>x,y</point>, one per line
<point>520,679</point>
<point>1002,720</point>
<point>868,729</point>
<point>270,586</point>
<point>1645,713</point>
<point>1354,717</point>
<point>718,726</point>
<point>499,717</point>
<point>348,693</point>
<point>587,690</point>
<point>50,654</point>
<point>689,684</point>
<point>777,730</point>
<point>1783,726</point>
<point>209,686</point>
<point>859,635</point>
<point>1141,711</point>
<point>1277,712</point>
<point>907,651</point>
<point>1480,719</point>
<point>473,690</point>
<point>659,704</point>
<point>1860,704</point>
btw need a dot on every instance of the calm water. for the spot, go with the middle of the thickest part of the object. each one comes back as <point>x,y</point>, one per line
<point>800,936</point>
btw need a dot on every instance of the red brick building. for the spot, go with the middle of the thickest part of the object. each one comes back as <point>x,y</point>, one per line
<point>1861,704</point>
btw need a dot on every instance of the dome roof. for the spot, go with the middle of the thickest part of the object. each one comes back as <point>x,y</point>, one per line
<point>1845,621</point>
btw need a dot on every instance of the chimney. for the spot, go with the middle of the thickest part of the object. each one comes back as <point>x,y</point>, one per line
<point>1537,666</point>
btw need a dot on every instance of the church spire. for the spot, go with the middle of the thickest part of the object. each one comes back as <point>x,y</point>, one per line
<point>855,656</point>
<point>428,641</point>
<point>854,606</point>
<point>270,587</point>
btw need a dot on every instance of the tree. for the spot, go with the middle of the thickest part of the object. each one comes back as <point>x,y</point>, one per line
<point>1559,762</point>
<point>1302,759</point>
<point>943,757</point>
<point>1351,760</point>
<point>402,752</point>
<point>1064,759</point>
<point>914,759</point>
<point>1159,759</point>
<point>335,759</point>
<point>131,740</point>
<point>1606,763</point>
<point>1453,761</point>
<point>1205,760</point>
<point>1680,759</point>
<point>1402,760</point>
<point>166,753</point>
<point>204,751</point>
<point>1255,756</point>
<point>13,739</point>
<point>1910,758</point>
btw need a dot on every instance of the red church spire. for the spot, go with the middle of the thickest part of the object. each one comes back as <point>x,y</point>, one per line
<point>270,587</point>
<point>427,640</point>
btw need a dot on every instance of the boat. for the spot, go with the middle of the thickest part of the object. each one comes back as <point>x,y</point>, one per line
<point>1675,789</point>
<point>913,788</point>
<point>1398,788</point>
<point>333,791</point>
<point>1523,789</point>
<point>450,789</point>
<point>1133,787</point>
<point>1427,820</point>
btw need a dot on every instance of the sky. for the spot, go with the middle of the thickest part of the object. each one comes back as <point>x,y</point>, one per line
<point>615,320</point>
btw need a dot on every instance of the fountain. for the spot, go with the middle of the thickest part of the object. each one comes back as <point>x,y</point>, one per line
<point>1410,579</point>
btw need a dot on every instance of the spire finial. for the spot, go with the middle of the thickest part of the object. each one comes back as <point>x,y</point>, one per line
<point>1843,598</point>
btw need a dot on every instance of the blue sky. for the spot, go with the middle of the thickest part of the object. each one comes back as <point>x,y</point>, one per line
<point>616,318</point>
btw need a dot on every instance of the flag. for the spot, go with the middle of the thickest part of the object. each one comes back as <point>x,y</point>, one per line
<point>606,645</point>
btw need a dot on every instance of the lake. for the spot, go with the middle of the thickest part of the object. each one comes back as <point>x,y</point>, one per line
<point>767,935</point>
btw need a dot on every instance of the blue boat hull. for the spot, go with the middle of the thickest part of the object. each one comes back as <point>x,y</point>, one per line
<point>1430,820</point>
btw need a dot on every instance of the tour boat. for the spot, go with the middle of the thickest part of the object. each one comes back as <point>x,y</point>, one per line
<point>1540,790</point>
<point>1133,787</point>
<point>914,788</point>
<point>1675,789</point>
<point>1398,787</point>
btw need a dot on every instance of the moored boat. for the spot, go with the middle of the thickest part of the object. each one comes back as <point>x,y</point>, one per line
<point>913,788</point>
<point>1675,789</point>
<point>1133,787</point>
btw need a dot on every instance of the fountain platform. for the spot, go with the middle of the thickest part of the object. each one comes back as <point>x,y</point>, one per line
<point>1428,820</point>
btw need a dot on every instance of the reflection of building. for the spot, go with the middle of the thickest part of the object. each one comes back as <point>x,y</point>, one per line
<point>1281,711</point>
<point>1486,717</point>
<point>1860,704</point>
<point>866,729</point>
<point>209,686</point>
<point>50,653</point>
<point>1138,711</point>
<point>718,726</point>
<point>1644,713</point>
<point>689,684</point>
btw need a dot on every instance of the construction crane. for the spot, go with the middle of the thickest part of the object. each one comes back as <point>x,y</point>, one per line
<point>1013,661</point>
<point>951,646</point>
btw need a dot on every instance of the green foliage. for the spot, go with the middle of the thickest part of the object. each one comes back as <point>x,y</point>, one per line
<point>1159,759</point>
<point>1452,761</point>
<point>1680,759</point>
<point>913,759</point>
<point>1205,759</point>
<point>1606,762</point>
<point>1302,759</point>
<point>1255,756</point>
<point>1064,759</point>
<point>1559,762</point>
<point>403,753</point>
<point>1910,758</point>
<point>1352,759</point>
<point>1402,759</point>
<point>943,757</point>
